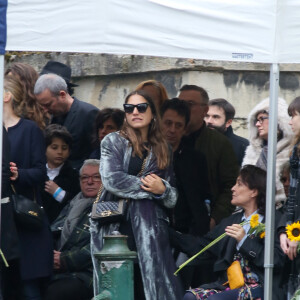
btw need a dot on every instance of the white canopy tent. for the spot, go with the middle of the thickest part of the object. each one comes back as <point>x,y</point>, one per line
<point>232,30</point>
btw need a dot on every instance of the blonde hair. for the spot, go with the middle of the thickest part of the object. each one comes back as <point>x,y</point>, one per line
<point>21,79</point>
<point>156,140</point>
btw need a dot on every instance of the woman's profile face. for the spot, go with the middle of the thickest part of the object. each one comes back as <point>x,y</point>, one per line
<point>295,122</point>
<point>241,194</point>
<point>137,119</point>
<point>262,125</point>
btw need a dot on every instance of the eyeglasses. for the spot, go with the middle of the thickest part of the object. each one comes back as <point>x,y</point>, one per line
<point>141,107</point>
<point>85,178</point>
<point>260,120</point>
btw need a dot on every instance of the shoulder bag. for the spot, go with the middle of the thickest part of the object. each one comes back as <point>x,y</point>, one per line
<point>28,213</point>
<point>112,208</point>
<point>235,276</point>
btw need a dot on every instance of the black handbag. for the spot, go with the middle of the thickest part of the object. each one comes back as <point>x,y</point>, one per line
<point>28,213</point>
<point>112,208</point>
<point>109,210</point>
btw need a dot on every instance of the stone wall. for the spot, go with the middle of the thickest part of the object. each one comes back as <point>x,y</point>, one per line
<point>105,80</point>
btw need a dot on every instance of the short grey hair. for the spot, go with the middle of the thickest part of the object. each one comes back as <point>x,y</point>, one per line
<point>52,82</point>
<point>89,162</point>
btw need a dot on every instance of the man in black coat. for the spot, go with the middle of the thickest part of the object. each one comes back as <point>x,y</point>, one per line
<point>220,116</point>
<point>190,214</point>
<point>221,160</point>
<point>77,116</point>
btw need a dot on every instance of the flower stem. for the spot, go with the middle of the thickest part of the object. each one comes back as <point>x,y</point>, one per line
<point>4,259</point>
<point>204,249</point>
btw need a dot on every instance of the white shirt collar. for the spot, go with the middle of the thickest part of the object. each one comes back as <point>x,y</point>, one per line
<point>52,173</point>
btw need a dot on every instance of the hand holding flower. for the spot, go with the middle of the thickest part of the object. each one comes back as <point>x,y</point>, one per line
<point>235,231</point>
<point>219,238</point>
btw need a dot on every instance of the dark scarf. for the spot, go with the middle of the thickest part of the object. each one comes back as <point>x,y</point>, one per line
<point>293,201</point>
<point>77,206</point>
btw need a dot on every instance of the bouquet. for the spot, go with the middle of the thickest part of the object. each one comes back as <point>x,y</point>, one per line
<point>257,228</point>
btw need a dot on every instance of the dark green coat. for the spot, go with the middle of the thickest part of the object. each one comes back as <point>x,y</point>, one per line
<point>75,255</point>
<point>222,169</point>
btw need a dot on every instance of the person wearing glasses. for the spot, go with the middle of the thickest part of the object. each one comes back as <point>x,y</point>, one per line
<point>72,263</point>
<point>151,195</point>
<point>257,151</point>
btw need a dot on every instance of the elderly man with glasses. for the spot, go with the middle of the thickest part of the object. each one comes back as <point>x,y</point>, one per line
<point>72,259</point>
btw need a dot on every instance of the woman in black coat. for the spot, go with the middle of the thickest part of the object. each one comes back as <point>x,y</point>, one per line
<point>28,171</point>
<point>249,194</point>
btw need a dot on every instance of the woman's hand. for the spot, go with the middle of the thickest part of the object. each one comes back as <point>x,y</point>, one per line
<point>284,243</point>
<point>292,250</point>
<point>50,187</point>
<point>236,231</point>
<point>56,256</point>
<point>153,184</point>
<point>288,247</point>
<point>14,171</point>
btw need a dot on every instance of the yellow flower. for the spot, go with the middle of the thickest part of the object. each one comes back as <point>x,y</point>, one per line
<point>254,221</point>
<point>262,235</point>
<point>293,231</point>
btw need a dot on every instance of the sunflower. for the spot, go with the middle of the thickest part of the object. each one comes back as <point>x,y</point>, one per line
<point>293,231</point>
<point>254,221</point>
<point>262,235</point>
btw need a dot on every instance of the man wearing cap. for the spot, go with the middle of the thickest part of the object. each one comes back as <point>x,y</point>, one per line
<point>52,91</point>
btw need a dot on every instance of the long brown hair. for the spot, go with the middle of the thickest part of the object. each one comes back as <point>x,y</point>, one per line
<point>163,95</point>
<point>292,109</point>
<point>156,140</point>
<point>27,107</point>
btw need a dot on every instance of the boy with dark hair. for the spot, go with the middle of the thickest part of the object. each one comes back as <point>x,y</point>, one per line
<point>63,183</point>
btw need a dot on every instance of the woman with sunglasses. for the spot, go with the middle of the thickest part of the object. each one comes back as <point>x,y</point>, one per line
<point>257,151</point>
<point>122,156</point>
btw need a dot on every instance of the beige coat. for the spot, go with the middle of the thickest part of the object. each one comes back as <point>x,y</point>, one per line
<point>283,146</point>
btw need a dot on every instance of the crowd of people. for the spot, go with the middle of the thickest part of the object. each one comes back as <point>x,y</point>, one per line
<point>187,175</point>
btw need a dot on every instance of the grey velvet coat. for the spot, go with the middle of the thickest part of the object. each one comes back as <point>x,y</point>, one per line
<point>148,217</point>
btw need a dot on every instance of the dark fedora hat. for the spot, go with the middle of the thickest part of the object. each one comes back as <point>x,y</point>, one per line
<point>55,67</point>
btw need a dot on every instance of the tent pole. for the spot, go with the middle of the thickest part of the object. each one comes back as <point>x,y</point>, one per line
<point>1,132</point>
<point>271,171</point>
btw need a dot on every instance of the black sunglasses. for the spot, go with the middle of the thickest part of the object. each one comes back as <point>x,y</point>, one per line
<point>141,107</point>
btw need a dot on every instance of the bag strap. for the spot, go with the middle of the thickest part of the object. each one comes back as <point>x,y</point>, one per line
<point>139,174</point>
<point>13,189</point>
<point>15,192</point>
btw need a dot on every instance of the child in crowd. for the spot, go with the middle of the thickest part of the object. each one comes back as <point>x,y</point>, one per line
<point>63,183</point>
